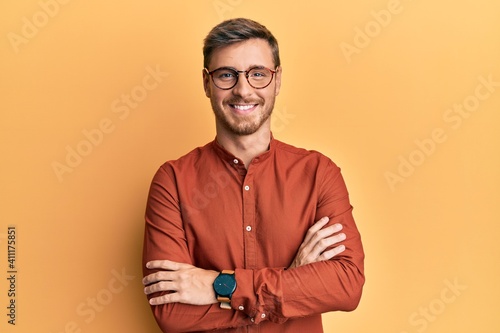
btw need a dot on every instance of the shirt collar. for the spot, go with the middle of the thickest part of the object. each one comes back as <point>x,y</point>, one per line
<point>230,158</point>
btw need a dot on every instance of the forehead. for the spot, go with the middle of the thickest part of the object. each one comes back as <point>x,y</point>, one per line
<point>243,55</point>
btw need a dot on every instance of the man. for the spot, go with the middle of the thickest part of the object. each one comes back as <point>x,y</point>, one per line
<point>247,233</point>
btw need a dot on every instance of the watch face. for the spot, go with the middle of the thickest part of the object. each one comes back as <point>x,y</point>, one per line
<point>225,284</point>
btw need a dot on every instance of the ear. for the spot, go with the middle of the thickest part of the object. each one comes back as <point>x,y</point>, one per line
<point>206,82</point>
<point>277,88</point>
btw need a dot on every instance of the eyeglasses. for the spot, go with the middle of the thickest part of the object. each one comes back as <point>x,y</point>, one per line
<point>226,78</point>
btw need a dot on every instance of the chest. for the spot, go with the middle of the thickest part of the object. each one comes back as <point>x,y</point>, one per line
<point>250,221</point>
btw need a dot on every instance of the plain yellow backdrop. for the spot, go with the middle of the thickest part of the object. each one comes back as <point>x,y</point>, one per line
<point>403,95</point>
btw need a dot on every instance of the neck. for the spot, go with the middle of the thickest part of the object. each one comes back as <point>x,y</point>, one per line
<point>245,147</point>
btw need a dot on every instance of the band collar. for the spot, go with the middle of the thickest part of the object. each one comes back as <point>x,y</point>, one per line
<point>230,158</point>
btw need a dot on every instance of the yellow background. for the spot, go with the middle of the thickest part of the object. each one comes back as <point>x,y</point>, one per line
<point>437,225</point>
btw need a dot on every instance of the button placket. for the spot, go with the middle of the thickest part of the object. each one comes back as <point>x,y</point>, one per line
<point>248,226</point>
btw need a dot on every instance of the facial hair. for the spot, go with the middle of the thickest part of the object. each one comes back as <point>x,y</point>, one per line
<point>243,124</point>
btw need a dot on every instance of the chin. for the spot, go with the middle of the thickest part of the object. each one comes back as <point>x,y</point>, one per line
<point>242,131</point>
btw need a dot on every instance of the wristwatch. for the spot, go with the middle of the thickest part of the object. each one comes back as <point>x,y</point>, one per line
<point>224,287</point>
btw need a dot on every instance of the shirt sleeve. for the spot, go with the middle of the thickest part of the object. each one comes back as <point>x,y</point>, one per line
<point>333,285</point>
<point>274,294</point>
<point>164,238</point>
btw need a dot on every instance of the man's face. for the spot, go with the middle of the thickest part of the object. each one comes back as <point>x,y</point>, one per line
<point>242,110</point>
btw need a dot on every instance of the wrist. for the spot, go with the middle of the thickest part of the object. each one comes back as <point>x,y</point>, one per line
<point>213,276</point>
<point>224,286</point>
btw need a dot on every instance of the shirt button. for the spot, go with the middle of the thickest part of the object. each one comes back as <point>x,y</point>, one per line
<point>235,161</point>
<point>247,187</point>
<point>252,320</point>
<point>248,228</point>
<point>241,308</point>
<point>263,315</point>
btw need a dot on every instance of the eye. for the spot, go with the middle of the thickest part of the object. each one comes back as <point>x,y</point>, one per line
<point>258,73</point>
<point>225,74</point>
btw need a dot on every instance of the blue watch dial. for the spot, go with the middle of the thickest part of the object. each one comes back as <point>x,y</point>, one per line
<point>225,285</point>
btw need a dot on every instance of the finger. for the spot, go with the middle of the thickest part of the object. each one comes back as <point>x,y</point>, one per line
<point>325,243</point>
<point>160,286</point>
<point>327,255</point>
<point>315,228</point>
<point>335,239</point>
<point>158,276</point>
<point>164,264</point>
<point>164,299</point>
<point>322,234</point>
<point>312,248</point>
<point>318,224</point>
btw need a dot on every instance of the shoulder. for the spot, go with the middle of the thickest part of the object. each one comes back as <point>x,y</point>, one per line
<point>190,160</point>
<point>309,162</point>
<point>294,152</point>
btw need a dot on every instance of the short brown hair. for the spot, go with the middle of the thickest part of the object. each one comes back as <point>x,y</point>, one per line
<point>234,31</point>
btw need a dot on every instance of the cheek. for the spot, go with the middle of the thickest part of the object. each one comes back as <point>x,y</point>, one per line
<point>224,95</point>
<point>217,98</point>
<point>269,96</point>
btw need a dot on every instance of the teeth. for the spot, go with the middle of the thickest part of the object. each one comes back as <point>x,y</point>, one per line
<point>243,107</point>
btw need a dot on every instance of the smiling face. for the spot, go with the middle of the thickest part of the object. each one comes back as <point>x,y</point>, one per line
<point>242,110</point>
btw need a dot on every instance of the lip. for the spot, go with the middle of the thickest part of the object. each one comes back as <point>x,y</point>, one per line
<point>243,109</point>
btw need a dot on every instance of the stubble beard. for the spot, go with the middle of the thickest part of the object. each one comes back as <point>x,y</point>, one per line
<point>243,124</point>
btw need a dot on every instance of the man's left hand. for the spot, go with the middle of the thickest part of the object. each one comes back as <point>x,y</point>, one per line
<point>186,283</point>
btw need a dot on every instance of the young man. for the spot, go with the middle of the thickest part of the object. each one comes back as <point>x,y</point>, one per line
<point>247,233</point>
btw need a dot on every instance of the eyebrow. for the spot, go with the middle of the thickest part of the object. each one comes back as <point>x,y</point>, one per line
<point>250,67</point>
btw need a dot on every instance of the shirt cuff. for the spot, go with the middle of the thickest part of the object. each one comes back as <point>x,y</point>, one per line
<point>244,298</point>
<point>253,297</point>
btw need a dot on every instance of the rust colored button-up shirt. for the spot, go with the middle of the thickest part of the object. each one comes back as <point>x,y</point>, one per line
<point>208,210</point>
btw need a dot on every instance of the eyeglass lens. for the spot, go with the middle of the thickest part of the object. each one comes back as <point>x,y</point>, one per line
<point>226,78</point>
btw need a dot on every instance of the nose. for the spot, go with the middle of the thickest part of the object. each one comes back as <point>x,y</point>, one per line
<point>242,87</point>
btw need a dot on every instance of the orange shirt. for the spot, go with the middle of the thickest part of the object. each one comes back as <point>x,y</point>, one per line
<point>208,210</point>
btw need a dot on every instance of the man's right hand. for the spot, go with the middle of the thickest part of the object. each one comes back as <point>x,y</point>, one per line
<point>317,240</point>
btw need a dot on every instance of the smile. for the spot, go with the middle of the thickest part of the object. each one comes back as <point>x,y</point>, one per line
<point>243,108</point>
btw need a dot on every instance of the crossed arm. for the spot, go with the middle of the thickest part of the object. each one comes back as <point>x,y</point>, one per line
<point>192,285</point>
<point>326,273</point>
